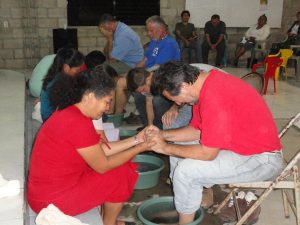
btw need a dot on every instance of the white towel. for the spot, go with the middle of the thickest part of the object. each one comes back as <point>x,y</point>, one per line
<point>53,216</point>
<point>297,123</point>
<point>36,114</point>
<point>9,188</point>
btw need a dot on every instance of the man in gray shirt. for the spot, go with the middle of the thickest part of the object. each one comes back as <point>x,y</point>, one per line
<point>187,37</point>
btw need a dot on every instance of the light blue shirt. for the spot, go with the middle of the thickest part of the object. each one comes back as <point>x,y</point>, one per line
<point>127,46</point>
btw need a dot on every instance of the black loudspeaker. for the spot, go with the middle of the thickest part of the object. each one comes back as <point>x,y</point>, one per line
<point>64,38</point>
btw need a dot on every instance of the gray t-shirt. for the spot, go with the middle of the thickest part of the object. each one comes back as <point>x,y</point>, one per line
<point>186,30</point>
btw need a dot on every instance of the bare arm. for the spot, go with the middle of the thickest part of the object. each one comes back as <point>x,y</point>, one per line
<point>102,135</point>
<point>170,115</point>
<point>109,40</point>
<point>141,63</point>
<point>208,39</point>
<point>178,34</point>
<point>187,133</point>
<point>95,157</point>
<point>199,152</point>
<point>112,148</point>
<point>220,39</point>
<point>149,110</point>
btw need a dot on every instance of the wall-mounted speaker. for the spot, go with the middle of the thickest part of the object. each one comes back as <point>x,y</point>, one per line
<point>64,38</point>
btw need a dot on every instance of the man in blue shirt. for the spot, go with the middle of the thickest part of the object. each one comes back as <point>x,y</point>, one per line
<point>123,48</point>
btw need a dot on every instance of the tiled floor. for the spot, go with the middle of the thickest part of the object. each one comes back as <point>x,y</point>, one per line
<point>284,104</point>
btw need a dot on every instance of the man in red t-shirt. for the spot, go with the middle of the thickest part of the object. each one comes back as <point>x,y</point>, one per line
<point>237,134</point>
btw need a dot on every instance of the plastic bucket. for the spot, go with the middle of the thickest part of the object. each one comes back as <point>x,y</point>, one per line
<point>127,133</point>
<point>149,170</point>
<point>162,211</point>
<point>116,119</point>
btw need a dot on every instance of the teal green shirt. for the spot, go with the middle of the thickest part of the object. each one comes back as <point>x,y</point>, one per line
<point>38,74</point>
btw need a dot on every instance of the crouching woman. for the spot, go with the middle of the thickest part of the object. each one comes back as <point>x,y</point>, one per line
<point>69,165</point>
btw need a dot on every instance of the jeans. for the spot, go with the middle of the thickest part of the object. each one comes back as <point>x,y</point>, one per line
<point>195,44</point>
<point>160,106</point>
<point>220,52</point>
<point>192,175</point>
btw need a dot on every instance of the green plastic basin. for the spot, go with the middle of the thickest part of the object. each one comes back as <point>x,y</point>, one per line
<point>127,133</point>
<point>149,170</point>
<point>116,119</point>
<point>161,210</point>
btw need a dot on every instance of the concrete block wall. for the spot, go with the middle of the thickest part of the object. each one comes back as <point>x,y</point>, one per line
<point>26,29</point>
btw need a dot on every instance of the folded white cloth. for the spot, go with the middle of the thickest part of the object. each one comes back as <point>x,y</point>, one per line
<point>250,196</point>
<point>36,114</point>
<point>297,123</point>
<point>53,216</point>
<point>9,188</point>
<point>241,195</point>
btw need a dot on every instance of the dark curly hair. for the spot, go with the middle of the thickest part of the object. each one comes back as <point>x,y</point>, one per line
<point>171,75</point>
<point>94,58</point>
<point>68,56</point>
<point>185,11</point>
<point>67,90</point>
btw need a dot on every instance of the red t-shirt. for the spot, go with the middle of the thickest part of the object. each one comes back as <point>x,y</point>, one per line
<point>59,175</point>
<point>55,162</point>
<point>231,115</point>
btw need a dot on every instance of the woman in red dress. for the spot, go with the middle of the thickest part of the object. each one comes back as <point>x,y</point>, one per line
<point>69,166</point>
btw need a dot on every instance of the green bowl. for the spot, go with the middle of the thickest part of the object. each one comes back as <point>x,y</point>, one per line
<point>161,210</point>
<point>127,133</point>
<point>116,119</point>
<point>149,170</point>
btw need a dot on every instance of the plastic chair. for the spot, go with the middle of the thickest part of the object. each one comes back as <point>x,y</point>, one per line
<point>282,182</point>
<point>260,47</point>
<point>285,55</point>
<point>271,64</point>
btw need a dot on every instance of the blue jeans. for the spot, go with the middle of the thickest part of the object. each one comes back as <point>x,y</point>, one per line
<point>196,44</point>
<point>160,106</point>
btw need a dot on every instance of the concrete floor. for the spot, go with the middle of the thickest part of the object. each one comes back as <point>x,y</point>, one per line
<point>284,104</point>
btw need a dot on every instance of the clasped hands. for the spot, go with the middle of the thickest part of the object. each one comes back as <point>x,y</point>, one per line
<point>153,138</point>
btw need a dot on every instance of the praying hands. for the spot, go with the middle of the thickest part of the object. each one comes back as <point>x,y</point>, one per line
<point>155,139</point>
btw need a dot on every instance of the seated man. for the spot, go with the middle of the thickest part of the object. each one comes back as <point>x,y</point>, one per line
<point>235,144</point>
<point>161,49</point>
<point>214,39</point>
<point>123,48</point>
<point>187,37</point>
<point>139,82</point>
<point>257,32</point>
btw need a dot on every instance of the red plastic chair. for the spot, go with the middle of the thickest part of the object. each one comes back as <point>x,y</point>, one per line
<point>270,64</point>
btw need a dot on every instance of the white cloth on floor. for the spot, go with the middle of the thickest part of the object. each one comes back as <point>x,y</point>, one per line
<point>53,216</point>
<point>36,114</point>
<point>111,132</point>
<point>9,188</point>
<point>297,123</point>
